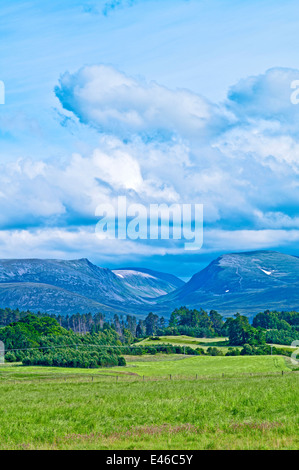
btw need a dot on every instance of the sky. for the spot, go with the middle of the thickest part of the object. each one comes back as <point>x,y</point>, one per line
<point>167,101</point>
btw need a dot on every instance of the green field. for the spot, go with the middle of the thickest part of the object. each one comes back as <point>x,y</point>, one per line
<point>206,366</point>
<point>183,340</point>
<point>161,365</point>
<point>253,406</point>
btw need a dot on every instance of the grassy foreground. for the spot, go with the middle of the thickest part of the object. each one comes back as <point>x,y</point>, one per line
<point>72,412</point>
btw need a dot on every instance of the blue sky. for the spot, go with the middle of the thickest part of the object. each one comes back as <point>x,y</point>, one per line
<point>173,101</point>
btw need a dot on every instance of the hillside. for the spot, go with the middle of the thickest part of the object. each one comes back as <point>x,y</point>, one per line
<point>245,282</point>
<point>66,287</point>
<point>147,283</point>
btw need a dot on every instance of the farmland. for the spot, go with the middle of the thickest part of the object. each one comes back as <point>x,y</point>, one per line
<point>188,341</point>
<point>204,343</point>
<point>248,402</point>
<point>183,340</point>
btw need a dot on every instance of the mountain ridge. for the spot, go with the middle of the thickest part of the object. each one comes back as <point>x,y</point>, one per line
<point>244,281</point>
<point>247,282</point>
<point>71,286</point>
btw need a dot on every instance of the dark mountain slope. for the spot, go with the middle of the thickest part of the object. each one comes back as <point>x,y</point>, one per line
<point>64,287</point>
<point>244,282</point>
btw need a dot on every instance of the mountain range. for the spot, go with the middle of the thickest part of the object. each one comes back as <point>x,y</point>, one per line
<point>244,282</point>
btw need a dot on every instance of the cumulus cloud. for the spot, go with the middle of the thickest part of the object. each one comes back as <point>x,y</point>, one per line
<point>266,97</point>
<point>240,158</point>
<point>266,126</point>
<point>278,151</point>
<point>114,103</point>
<point>37,192</point>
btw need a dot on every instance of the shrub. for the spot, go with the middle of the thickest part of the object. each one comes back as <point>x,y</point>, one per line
<point>10,357</point>
<point>122,361</point>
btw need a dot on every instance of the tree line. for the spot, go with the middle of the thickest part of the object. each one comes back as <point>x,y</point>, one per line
<point>40,340</point>
<point>278,327</point>
<point>267,327</point>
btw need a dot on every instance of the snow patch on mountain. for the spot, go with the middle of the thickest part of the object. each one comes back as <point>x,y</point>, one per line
<point>266,272</point>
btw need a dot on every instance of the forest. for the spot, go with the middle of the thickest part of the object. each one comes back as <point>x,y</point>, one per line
<point>92,341</point>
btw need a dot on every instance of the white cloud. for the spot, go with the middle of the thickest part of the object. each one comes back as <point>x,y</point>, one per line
<point>75,243</point>
<point>240,240</point>
<point>280,152</point>
<point>276,220</point>
<point>240,159</point>
<point>115,103</point>
<point>35,192</point>
<point>266,97</point>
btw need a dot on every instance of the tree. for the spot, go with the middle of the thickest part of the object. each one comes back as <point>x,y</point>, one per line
<point>131,324</point>
<point>217,321</point>
<point>161,323</point>
<point>241,332</point>
<point>151,323</point>
<point>128,338</point>
<point>140,330</point>
<point>247,350</point>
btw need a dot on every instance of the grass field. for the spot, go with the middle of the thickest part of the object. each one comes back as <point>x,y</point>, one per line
<point>160,365</point>
<point>54,408</point>
<point>183,340</point>
<point>206,366</point>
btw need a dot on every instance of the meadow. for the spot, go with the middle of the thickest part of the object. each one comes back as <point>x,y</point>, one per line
<point>183,340</point>
<point>254,405</point>
<point>203,343</point>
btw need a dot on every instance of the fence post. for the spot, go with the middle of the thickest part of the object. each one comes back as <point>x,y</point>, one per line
<point>170,376</point>
<point>2,353</point>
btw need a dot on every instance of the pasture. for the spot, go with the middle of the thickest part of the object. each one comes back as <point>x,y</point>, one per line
<point>253,406</point>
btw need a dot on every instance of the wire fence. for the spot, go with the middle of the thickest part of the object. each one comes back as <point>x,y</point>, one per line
<point>119,378</point>
<point>80,345</point>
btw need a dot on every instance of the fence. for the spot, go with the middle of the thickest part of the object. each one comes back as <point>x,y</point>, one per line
<point>69,378</point>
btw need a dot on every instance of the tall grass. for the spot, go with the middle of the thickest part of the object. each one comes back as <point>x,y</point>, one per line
<point>253,412</point>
